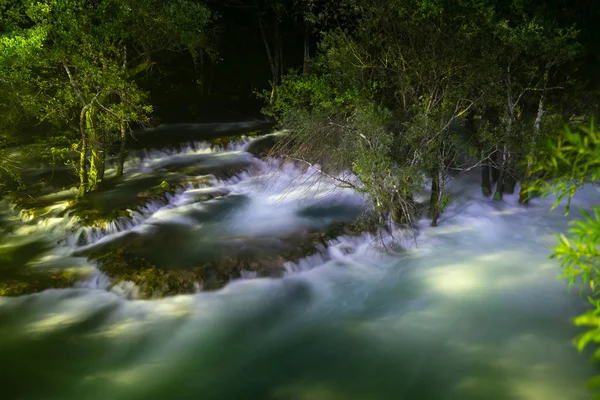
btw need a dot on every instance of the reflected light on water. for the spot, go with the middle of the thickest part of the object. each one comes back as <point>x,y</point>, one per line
<point>455,279</point>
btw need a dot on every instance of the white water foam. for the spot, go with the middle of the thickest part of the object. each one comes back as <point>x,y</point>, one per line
<point>150,160</point>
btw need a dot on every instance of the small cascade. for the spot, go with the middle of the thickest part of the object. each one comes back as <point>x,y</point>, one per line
<point>89,235</point>
<point>343,249</point>
<point>259,207</point>
<point>149,160</point>
<point>273,185</point>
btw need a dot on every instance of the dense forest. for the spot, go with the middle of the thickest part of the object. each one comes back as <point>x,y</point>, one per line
<point>387,98</point>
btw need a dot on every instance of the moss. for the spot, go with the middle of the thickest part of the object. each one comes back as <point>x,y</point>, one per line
<point>28,284</point>
<point>122,264</point>
<point>199,180</point>
<point>226,140</point>
<point>225,171</point>
<point>93,216</point>
<point>161,188</point>
<point>498,196</point>
<point>33,213</point>
<point>486,191</point>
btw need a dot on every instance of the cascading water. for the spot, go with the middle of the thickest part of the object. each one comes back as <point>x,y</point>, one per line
<point>472,310</point>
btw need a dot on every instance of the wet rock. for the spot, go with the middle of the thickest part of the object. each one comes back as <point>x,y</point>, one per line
<point>226,140</point>
<point>261,146</point>
<point>225,171</point>
<point>205,194</point>
<point>92,212</point>
<point>198,180</point>
<point>244,256</point>
<point>31,282</point>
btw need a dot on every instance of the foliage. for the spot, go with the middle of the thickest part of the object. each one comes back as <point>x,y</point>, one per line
<point>75,64</point>
<point>569,162</point>
<point>417,70</point>
<point>382,99</point>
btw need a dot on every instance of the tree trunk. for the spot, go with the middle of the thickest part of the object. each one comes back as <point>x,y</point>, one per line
<point>121,159</point>
<point>509,183</point>
<point>102,156</point>
<point>97,158</point>
<point>211,77</point>
<point>267,47</point>
<point>400,213</point>
<point>274,56</point>
<point>278,54</point>
<point>83,173</point>
<point>200,80</point>
<point>524,193</point>
<point>198,65</point>
<point>501,175</point>
<point>496,157</point>
<point>434,201</point>
<point>306,49</point>
<point>486,184</point>
<point>510,117</point>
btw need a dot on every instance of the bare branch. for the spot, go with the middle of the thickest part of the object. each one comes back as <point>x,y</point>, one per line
<point>477,164</point>
<point>345,182</point>
<point>73,84</point>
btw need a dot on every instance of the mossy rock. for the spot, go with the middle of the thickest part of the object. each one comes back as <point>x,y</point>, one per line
<point>225,171</point>
<point>226,140</point>
<point>199,195</point>
<point>205,180</point>
<point>33,283</point>
<point>122,264</point>
<point>161,188</point>
<point>91,216</point>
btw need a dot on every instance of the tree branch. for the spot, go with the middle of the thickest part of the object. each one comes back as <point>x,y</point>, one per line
<point>478,163</point>
<point>73,84</point>
<point>345,182</point>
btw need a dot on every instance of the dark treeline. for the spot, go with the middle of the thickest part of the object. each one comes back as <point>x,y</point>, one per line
<point>397,91</point>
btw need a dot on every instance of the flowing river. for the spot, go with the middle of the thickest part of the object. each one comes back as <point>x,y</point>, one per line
<point>471,309</point>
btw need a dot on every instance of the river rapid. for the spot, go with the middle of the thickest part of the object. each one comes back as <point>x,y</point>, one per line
<point>471,309</point>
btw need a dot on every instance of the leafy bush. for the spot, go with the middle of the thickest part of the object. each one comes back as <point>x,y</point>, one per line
<point>569,162</point>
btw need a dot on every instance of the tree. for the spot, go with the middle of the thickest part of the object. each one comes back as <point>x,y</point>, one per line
<point>84,58</point>
<point>527,52</point>
<point>271,16</point>
<point>410,67</point>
